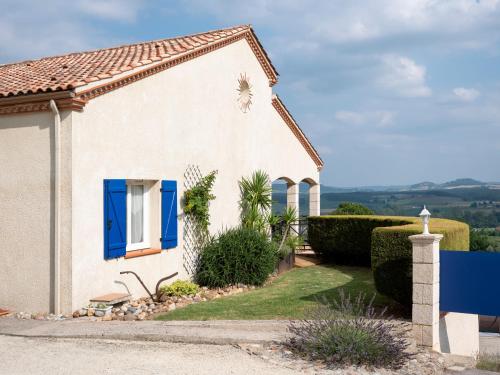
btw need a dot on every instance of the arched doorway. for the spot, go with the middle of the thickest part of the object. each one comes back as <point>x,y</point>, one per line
<point>284,194</point>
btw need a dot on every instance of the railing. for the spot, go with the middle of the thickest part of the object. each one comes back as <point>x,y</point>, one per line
<point>297,228</point>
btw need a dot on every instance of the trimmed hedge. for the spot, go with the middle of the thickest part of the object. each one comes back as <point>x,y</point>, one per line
<point>346,239</point>
<point>392,254</point>
<point>381,241</point>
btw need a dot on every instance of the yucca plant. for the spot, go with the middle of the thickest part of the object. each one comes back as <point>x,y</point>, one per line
<point>255,202</point>
<point>288,217</point>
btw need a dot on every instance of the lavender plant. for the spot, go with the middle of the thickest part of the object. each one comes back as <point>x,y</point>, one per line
<point>348,331</point>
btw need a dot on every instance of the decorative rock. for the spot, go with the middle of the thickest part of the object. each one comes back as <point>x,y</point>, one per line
<point>130,316</point>
<point>133,310</point>
<point>141,308</point>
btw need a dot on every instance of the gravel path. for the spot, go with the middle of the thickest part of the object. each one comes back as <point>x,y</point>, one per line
<point>33,356</point>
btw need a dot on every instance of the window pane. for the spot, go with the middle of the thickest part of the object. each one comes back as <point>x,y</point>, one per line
<point>137,214</point>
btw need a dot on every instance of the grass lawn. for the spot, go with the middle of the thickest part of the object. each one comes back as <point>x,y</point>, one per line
<point>288,297</point>
<point>488,362</point>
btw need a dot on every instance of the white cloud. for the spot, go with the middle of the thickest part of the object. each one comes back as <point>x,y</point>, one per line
<point>110,9</point>
<point>377,118</point>
<point>349,117</point>
<point>324,150</point>
<point>32,29</point>
<point>466,95</point>
<point>404,76</point>
<point>385,118</point>
<point>388,140</point>
<point>451,23</point>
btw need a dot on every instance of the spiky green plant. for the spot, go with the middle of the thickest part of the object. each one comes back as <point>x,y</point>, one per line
<point>288,218</point>
<point>255,201</point>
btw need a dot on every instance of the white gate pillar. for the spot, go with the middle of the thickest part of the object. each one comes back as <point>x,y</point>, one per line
<point>425,308</point>
<point>454,333</point>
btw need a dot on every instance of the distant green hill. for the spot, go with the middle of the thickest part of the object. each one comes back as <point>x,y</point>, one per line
<point>468,200</point>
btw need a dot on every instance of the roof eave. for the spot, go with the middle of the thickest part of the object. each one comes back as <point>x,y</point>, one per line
<point>65,100</point>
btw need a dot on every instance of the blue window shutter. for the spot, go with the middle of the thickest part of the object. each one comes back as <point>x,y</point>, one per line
<point>168,214</point>
<point>115,218</point>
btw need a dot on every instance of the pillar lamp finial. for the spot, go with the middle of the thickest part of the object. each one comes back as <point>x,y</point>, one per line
<point>426,216</point>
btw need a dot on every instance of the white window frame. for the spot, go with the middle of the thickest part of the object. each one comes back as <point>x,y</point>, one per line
<point>146,243</point>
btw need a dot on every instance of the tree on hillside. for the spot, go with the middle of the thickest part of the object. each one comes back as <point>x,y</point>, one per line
<point>478,241</point>
<point>351,208</point>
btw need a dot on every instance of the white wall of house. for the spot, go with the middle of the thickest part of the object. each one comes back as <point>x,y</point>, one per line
<point>151,129</point>
<point>27,211</point>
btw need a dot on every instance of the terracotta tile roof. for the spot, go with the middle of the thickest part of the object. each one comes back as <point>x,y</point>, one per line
<point>66,72</point>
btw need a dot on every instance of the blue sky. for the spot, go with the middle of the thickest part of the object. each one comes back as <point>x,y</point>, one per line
<point>390,92</point>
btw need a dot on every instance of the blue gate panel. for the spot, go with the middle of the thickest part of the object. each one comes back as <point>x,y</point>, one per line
<point>469,282</point>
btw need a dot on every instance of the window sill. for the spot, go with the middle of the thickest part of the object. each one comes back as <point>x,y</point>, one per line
<point>141,253</point>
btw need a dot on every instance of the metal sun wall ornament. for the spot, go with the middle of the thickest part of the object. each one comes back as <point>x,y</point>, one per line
<point>245,93</point>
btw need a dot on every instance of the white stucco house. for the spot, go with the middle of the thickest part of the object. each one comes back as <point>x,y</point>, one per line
<point>96,149</point>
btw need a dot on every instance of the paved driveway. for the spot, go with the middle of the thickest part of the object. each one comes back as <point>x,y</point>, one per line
<point>32,356</point>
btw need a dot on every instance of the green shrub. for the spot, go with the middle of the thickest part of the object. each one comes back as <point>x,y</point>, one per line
<point>392,254</point>
<point>478,241</point>
<point>488,362</point>
<point>348,332</point>
<point>197,205</point>
<point>239,255</point>
<point>180,288</point>
<point>351,208</point>
<point>381,241</point>
<point>346,239</point>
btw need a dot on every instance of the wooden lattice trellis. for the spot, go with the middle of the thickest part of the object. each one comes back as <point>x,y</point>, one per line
<point>191,247</point>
